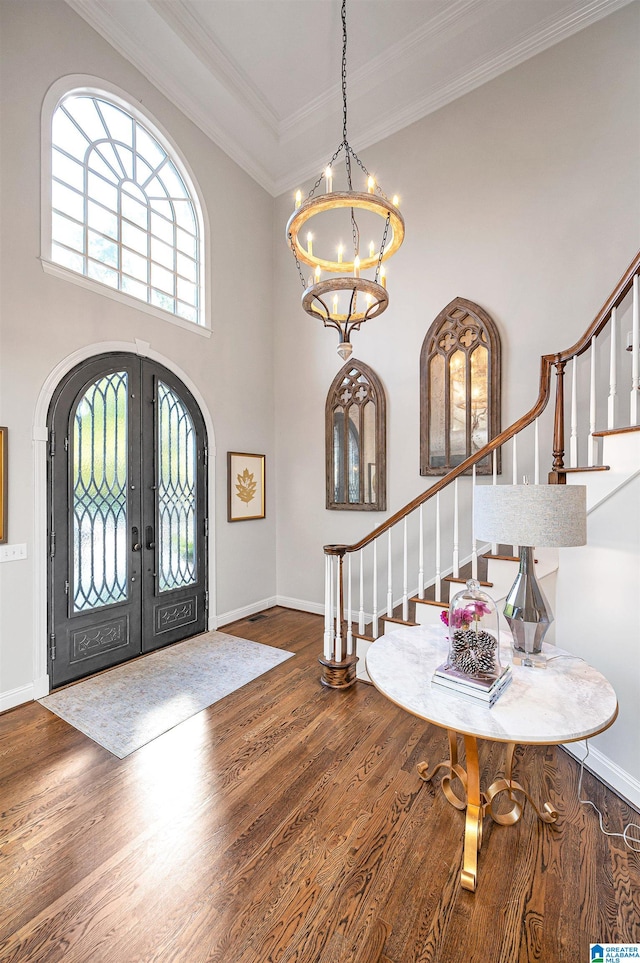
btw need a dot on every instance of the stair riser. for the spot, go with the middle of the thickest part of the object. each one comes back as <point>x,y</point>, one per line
<point>428,614</point>
<point>622,453</point>
<point>362,647</point>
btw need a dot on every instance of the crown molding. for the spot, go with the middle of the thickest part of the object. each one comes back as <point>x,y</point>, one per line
<point>218,62</point>
<point>468,78</point>
<point>95,13</point>
<point>280,154</point>
<point>391,61</point>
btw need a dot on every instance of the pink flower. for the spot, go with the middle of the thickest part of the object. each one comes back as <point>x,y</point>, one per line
<point>476,609</point>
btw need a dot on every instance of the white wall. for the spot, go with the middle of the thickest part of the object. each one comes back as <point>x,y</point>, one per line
<point>523,197</point>
<point>598,618</point>
<point>44,319</point>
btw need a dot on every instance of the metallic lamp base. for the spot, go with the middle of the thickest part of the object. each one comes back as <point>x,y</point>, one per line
<point>527,612</point>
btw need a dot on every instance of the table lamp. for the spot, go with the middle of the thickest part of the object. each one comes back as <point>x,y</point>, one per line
<point>549,516</point>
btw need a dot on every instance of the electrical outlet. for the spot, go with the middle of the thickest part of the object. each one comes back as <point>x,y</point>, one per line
<point>11,553</point>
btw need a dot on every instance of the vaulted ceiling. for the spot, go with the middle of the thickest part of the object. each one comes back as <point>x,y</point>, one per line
<point>262,77</point>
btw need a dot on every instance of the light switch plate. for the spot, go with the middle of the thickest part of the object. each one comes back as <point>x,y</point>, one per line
<point>11,553</point>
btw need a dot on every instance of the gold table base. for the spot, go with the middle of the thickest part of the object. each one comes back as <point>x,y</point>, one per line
<point>478,804</point>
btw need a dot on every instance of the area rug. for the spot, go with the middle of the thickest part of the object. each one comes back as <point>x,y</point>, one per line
<point>127,707</point>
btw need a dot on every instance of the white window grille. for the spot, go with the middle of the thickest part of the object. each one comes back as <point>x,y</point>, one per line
<point>122,210</point>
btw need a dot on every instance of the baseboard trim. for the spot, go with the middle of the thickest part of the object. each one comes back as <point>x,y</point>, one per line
<point>41,687</point>
<point>316,608</point>
<point>236,614</point>
<point>16,697</point>
<point>621,782</point>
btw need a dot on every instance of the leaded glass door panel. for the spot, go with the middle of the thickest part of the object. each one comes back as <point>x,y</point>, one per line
<point>127,530</point>
<point>175,526</point>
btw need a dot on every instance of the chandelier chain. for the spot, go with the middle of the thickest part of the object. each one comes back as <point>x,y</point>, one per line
<point>344,71</point>
<point>382,246</point>
<point>295,257</point>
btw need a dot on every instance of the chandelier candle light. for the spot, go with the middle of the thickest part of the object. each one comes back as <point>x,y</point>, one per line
<point>347,297</point>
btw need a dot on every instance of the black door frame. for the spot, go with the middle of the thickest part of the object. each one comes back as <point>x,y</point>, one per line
<point>179,608</point>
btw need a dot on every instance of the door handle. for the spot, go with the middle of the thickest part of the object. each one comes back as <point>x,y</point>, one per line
<point>135,544</point>
<point>149,537</point>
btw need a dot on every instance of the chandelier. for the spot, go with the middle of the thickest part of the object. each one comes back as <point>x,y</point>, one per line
<point>347,297</point>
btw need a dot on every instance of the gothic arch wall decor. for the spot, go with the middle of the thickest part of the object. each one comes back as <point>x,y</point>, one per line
<point>356,440</point>
<point>459,388</point>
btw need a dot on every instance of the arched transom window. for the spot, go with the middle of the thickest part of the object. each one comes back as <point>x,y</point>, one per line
<point>459,388</point>
<point>355,416</point>
<point>122,210</point>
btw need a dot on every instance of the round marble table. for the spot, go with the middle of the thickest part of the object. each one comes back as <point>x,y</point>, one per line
<point>567,701</point>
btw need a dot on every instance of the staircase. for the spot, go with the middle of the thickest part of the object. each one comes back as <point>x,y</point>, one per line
<point>407,569</point>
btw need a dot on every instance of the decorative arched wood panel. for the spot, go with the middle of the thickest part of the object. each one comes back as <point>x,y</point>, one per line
<point>356,440</point>
<point>459,388</point>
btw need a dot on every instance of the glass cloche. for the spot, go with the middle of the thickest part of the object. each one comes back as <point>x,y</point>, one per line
<point>474,635</point>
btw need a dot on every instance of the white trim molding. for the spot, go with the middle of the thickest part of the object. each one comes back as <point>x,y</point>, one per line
<point>225,618</point>
<point>95,86</point>
<point>617,779</point>
<point>17,697</point>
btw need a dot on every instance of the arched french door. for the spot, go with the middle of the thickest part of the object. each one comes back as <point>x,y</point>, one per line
<point>126,515</point>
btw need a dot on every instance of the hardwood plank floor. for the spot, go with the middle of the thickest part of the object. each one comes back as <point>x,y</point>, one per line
<point>287,823</point>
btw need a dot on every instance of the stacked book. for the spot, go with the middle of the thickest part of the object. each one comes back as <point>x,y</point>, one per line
<point>483,689</point>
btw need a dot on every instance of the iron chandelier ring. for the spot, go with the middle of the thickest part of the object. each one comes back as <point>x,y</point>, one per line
<point>347,199</point>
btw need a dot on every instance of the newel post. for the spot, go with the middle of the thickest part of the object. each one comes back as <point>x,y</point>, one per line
<point>557,475</point>
<point>338,668</point>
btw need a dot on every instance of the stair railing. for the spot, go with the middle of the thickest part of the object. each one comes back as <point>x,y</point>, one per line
<point>443,531</point>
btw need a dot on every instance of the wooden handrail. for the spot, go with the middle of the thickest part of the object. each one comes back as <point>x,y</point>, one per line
<point>620,291</point>
<point>547,361</point>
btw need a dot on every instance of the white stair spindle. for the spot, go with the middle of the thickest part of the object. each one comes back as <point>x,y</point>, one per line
<point>374,622</point>
<point>361,610</point>
<point>592,406</point>
<point>613,374</point>
<point>536,453</point>
<point>474,547</point>
<point>635,353</point>
<point>349,626</point>
<point>405,575</point>
<point>573,443</point>
<point>338,647</point>
<point>438,582</point>
<point>494,481</point>
<point>389,577</point>
<point>456,530</point>
<point>328,617</point>
<point>421,556</point>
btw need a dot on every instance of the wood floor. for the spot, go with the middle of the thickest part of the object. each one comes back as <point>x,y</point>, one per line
<point>287,823</point>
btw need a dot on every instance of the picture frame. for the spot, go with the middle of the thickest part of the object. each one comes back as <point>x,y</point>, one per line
<point>3,485</point>
<point>245,486</point>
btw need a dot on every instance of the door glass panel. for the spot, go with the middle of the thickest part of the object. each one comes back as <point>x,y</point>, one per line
<point>176,492</point>
<point>100,494</point>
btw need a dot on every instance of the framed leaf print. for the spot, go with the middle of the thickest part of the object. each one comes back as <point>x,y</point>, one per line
<point>245,486</point>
